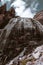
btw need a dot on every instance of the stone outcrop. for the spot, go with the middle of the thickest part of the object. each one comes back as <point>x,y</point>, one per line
<point>19,37</point>
<point>18,34</point>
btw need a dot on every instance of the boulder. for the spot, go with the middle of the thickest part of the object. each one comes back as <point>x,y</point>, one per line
<point>39,17</point>
<point>18,34</point>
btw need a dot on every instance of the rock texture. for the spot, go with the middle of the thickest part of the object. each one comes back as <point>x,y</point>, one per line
<point>18,34</point>
<point>39,16</point>
<point>35,58</point>
<point>5,16</point>
<point>18,39</point>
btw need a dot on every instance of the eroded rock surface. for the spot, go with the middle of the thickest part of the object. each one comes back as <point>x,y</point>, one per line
<point>18,34</point>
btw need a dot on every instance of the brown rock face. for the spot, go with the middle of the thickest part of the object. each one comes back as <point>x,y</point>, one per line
<point>1,18</point>
<point>3,9</point>
<point>18,34</point>
<point>5,16</point>
<point>39,16</point>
